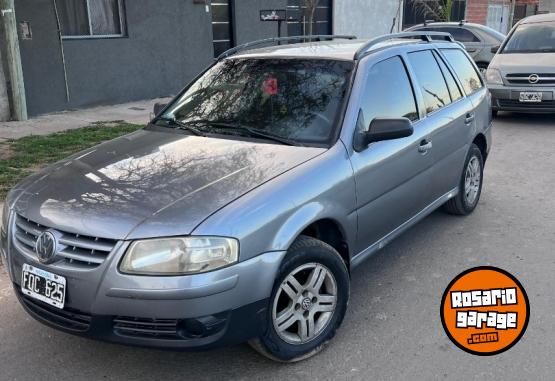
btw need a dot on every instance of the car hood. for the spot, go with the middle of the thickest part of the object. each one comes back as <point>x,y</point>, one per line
<point>524,63</point>
<point>150,183</point>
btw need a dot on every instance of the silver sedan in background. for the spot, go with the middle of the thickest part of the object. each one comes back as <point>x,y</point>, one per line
<point>481,42</point>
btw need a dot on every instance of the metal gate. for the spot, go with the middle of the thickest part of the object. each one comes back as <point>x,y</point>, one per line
<point>297,24</point>
<point>221,26</point>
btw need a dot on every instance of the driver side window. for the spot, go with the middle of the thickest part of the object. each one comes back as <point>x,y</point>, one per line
<point>388,94</point>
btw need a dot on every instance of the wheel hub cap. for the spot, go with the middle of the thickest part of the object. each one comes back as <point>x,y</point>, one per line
<point>304,303</point>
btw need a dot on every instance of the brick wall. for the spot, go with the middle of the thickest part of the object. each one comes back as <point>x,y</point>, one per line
<point>477,10</point>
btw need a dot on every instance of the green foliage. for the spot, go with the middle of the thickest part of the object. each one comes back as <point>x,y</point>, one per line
<point>438,10</point>
<point>29,154</point>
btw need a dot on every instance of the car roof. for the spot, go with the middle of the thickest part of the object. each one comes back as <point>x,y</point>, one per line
<point>539,18</point>
<point>334,49</point>
<point>450,23</point>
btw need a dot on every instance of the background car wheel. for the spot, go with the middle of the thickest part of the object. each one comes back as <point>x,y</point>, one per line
<point>308,302</point>
<point>470,186</point>
<point>494,113</point>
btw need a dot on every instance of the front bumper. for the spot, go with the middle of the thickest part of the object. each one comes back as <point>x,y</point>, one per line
<point>207,332</point>
<point>506,98</point>
<point>218,308</point>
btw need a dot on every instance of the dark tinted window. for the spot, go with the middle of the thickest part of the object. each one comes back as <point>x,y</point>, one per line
<point>454,89</point>
<point>431,81</point>
<point>532,38</point>
<point>296,99</point>
<point>464,70</point>
<point>458,33</point>
<point>461,34</point>
<point>388,93</point>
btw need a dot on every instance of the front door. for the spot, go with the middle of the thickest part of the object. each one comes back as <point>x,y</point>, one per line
<point>392,177</point>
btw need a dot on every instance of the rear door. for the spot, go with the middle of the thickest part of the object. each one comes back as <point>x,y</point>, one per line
<point>471,41</point>
<point>392,177</point>
<point>446,113</point>
<point>473,86</point>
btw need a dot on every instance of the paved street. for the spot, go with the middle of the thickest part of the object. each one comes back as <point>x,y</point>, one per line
<point>392,330</point>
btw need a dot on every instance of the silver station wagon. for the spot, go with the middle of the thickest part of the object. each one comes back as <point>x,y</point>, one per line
<point>240,211</point>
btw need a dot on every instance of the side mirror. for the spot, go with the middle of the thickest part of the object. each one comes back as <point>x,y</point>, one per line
<point>158,107</point>
<point>388,129</point>
<point>495,49</point>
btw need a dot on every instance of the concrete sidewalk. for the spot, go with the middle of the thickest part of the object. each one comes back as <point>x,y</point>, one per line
<point>134,112</point>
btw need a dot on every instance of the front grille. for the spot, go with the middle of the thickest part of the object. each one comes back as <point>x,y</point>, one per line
<point>147,328</point>
<point>524,79</point>
<point>70,319</point>
<point>74,249</point>
<point>516,104</point>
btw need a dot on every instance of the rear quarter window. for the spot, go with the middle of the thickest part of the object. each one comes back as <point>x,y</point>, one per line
<point>464,69</point>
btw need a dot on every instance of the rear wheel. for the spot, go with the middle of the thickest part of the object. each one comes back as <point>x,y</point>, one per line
<point>308,302</point>
<point>470,185</point>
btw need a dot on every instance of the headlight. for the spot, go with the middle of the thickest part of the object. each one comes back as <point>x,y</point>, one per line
<point>5,217</point>
<point>179,256</point>
<point>493,77</point>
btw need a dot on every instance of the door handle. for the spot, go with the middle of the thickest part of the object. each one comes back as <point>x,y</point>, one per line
<point>471,50</point>
<point>425,146</point>
<point>469,118</point>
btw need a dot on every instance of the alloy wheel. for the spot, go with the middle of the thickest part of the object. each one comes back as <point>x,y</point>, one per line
<point>304,303</point>
<point>472,180</point>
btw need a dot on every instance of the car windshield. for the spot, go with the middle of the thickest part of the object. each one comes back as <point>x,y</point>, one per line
<point>295,99</point>
<point>532,38</point>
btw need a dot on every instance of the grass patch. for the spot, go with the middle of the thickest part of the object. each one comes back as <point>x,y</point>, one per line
<point>29,154</point>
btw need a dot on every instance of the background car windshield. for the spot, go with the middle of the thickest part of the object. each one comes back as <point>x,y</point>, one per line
<point>294,99</point>
<point>532,38</point>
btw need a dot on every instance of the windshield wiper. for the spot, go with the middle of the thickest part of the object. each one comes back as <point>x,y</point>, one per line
<point>253,132</point>
<point>181,126</point>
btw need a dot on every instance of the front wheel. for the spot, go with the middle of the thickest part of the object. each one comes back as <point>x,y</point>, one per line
<point>308,302</point>
<point>470,185</point>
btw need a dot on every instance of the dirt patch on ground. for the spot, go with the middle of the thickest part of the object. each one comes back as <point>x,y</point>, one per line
<point>5,151</point>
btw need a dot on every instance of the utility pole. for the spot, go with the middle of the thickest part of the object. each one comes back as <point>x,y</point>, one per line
<point>13,58</point>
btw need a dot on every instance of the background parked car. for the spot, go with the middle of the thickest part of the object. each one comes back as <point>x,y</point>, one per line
<point>521,76</point>
<point>477,39</point>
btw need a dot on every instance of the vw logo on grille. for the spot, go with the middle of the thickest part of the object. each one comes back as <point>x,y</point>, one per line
<point>306,304</point>
<point>534,78</point>
<point>45,247</point>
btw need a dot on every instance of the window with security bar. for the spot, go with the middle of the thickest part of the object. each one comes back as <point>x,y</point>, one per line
<point>91,18</point>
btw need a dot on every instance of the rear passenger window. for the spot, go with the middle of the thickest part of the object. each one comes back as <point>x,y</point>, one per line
<point>429,76</point>
<point>451,82</point>
<point>462,34</point>
<point>464,69</point>
<point>388,93</point>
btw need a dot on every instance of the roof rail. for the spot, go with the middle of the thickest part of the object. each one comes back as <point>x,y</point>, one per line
<point>251,44</point>
<point>423,35</point>
<point>427,22</point>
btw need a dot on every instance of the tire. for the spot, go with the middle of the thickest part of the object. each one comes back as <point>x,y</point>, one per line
<point>494,113</point>
<point>306,256</point>
<point>462,204</point>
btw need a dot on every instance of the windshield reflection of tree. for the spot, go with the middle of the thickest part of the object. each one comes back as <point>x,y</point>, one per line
<point>302,105</point>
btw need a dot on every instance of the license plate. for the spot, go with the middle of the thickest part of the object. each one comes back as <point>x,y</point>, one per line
<point>44,286</point>
<point>531,97</point>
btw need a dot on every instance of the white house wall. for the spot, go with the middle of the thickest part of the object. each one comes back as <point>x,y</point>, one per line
<point>366,18</point>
